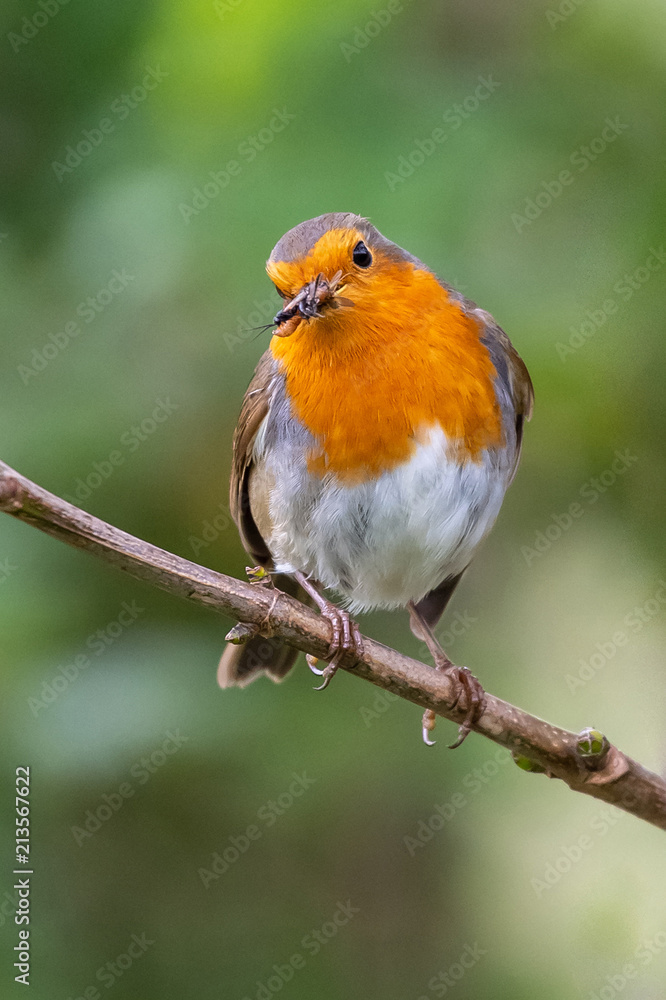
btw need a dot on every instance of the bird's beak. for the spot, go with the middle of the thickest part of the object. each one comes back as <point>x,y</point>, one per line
<point>319,294</point>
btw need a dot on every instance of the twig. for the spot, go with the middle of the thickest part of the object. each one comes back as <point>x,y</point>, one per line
<point>585,761</point>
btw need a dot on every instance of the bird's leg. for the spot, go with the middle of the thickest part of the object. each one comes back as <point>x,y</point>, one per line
<point>462,677</point>
<point>345,633</point>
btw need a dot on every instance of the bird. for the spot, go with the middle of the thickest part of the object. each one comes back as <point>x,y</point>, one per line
<point>375,444</point>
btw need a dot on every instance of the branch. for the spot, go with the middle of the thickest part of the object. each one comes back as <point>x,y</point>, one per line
<point>585,761</point>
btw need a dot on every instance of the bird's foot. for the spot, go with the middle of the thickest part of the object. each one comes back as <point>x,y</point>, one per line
<point>465,683</point>
<point>345,634</point>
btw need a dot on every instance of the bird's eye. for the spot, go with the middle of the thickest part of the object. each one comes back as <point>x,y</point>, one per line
<point>361,255</point>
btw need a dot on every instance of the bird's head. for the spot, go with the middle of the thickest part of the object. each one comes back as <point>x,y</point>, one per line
<point>330,265</point>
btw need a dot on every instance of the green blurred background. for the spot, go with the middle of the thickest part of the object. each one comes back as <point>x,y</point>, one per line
<point>503,879</point>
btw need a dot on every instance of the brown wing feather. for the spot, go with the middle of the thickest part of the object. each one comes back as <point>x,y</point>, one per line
<point>253,411</point>
<point>522,389</point>
<point>522,393</point>
<point>519,382</point>
<point>240,665</point>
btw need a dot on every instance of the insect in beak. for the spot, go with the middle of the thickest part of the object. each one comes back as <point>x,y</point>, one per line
<point>307,304</point>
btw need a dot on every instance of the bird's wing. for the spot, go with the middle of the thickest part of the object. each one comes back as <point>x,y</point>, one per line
<point>250,485</point>
<point>511,372</point>
<point>253,412</point>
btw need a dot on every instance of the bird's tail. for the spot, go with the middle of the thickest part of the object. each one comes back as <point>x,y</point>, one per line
<point>240,665</point>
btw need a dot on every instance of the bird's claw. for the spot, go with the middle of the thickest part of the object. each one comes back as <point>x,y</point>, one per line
<point>429,719</point>
<point>345,633</point>
<point>466,682</point>
<point>475,696</point>
<point>312,662</point>
<point>327,673</point>
<point>345,636</point>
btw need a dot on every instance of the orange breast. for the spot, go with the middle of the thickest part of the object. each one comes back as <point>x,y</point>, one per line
<point>370,381</point>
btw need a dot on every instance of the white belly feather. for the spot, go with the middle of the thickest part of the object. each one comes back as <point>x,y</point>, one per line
<point>390,540</point>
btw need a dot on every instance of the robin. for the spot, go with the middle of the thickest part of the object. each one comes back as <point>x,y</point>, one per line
<point>375,443</point>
